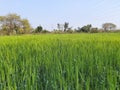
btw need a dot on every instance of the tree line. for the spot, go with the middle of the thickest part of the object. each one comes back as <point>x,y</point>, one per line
<point>14,24</point>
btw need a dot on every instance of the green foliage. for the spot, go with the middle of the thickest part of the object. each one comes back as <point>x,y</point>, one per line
<point>45,31</point>
<point>86,28</point>
<point>39,29</point>
<point>60,62</point>
<point>26,25</point>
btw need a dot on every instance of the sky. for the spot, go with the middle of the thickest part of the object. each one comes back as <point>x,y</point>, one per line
<point>48,13</point>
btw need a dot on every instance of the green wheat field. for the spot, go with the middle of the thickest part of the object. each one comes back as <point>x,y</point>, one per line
<point>60,62</point>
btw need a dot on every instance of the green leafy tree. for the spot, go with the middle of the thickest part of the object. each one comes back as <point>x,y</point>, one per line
<point>86,28</point>
<point>39,29</point>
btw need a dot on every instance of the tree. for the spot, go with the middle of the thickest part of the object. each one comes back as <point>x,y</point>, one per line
<point>13,23</point>
<point>66,25</point>
<point>9,22</point>
<point>26,26</point>
<point>39,29</point>
<point>86,28</point>
<point>109,26</point>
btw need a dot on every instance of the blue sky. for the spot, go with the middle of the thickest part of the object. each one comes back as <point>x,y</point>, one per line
<point>77,12</point>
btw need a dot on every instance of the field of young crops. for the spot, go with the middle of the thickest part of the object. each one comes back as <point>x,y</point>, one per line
<point>60,62</point>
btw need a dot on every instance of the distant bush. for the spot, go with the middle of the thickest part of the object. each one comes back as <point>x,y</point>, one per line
<point>57,31</point>
<point>70,31</point>
<point>45,31</point>
<point>78,30</point>
<point>94,30</point>
<point>3,32</point>
<point>117,31</point>
<point>101,30</point>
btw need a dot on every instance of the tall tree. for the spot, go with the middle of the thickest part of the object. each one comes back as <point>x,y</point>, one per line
<point>13,22</point>
<point>66,25</point>
<point>9,22</point>
<point>109,26</point>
